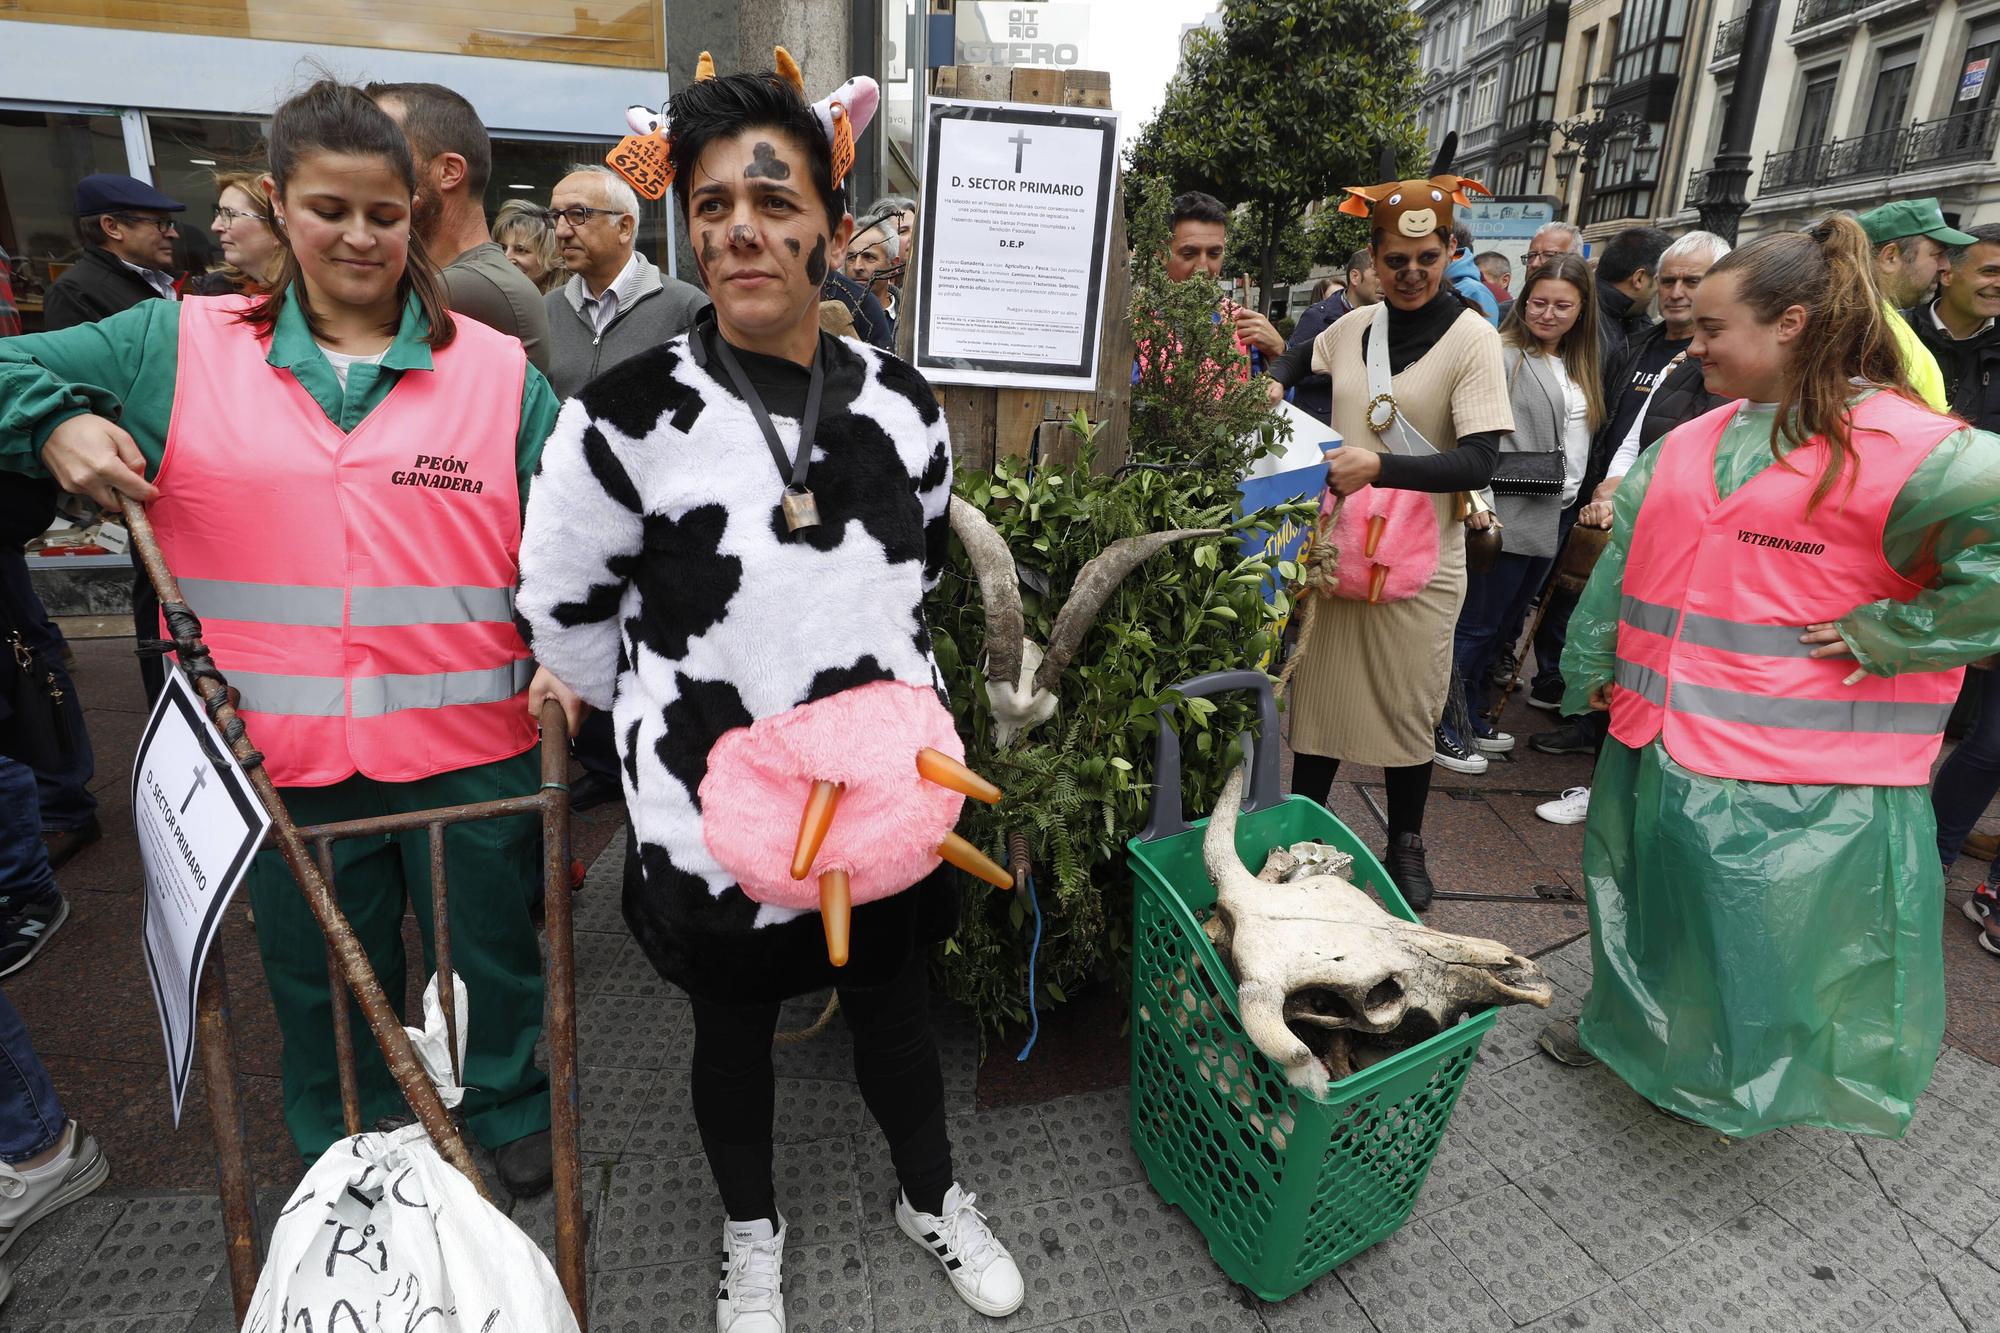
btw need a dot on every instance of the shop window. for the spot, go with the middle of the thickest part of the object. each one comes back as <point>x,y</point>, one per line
<point>529,169</point>
<point>43,154</point>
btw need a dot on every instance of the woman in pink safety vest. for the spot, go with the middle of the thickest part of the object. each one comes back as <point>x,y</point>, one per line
<point>336,472</point>
<point>1794,584</point>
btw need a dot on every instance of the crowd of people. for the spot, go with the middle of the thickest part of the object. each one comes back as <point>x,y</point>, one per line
<point>1785,480</point>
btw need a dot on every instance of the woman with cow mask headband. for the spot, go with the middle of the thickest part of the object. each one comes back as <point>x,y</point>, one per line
<point>729,546</point>
<point>1420,400</point>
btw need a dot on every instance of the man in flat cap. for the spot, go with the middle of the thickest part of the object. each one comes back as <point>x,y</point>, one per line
<point>127,229</point>
<point>1909,237</point>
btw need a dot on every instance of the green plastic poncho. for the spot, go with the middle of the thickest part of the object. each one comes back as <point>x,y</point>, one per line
<point>1767,954</point>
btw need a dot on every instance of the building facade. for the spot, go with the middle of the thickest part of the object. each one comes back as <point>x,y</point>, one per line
<point>1862,103</point>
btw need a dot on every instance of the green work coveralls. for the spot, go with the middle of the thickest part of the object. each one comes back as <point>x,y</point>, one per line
<point>124,368</point>
<point>1769,954</point>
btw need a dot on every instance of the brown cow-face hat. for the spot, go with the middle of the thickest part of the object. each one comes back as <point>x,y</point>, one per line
<point>1416,207</point>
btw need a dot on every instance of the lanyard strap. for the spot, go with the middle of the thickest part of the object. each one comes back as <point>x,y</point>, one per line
<point>793,469</point>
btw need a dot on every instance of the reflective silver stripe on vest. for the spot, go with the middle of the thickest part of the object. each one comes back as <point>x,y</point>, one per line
<point>1648,616</point>
<point>376,695</point>
<point>292,696</point>
<point>1735,636</point>
<point>1643,681</point>
<point>380,607</point>
<point>1881,717</point>
<point>373,608</point>
<point>264,603</point>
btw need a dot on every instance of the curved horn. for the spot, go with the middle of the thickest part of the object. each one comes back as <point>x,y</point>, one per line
<point>788,69</point>
<point>1446,152</point>
<point>1093,588</point>
<point>999,590</point>
<point>704,68</point>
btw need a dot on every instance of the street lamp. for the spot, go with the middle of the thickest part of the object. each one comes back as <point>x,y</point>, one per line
<point>1585,138</point>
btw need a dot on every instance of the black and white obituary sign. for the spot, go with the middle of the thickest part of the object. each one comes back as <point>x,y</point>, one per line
<point>1017,225</point>
<point>199,823</point>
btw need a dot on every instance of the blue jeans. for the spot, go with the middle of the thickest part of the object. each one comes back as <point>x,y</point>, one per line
<point>1966,784</point>
<point>1549,639</point>
<point>24,862</point>
<point>1494,604</point>
<point>64,791</point>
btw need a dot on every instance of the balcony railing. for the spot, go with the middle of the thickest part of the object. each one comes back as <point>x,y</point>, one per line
<point>1814,12</point>
<point>1729,38</point>
<point>1919,147</point>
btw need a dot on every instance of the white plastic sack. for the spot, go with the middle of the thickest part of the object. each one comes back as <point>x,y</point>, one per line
<point>431,1041</point>
<point>383,1236</point>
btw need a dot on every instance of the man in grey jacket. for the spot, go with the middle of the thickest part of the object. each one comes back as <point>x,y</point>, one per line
<point>616,303</point>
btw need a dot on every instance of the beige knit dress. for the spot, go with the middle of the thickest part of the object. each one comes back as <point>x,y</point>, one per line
<point>1372,682</point>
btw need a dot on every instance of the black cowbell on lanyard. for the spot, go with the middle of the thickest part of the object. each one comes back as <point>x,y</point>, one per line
<point>801,509</point>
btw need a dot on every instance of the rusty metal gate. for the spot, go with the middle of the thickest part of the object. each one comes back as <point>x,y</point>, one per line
<point>309,854</point>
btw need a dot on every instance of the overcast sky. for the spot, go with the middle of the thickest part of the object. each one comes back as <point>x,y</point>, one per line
<point>1138,43</point>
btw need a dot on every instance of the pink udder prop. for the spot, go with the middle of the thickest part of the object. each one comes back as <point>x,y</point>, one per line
<point>1387,542</point>
<point>841,801</point>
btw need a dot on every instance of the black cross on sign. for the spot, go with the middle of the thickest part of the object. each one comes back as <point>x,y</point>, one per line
<point>1020,141</point>
<point>200,781</point>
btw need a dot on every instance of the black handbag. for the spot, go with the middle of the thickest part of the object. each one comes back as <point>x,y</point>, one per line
<point>1529,474</point>
<point>33,728</point>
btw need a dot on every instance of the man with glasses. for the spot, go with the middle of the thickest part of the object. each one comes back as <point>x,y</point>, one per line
<point>616,303</point>
<point>127,230</point>
<point>1554,238</point>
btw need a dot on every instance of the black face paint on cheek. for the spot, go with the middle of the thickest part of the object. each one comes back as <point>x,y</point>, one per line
<point>816,261</point>
<point>792,244</point>
<point>764,164</point>
<point>710,251</point>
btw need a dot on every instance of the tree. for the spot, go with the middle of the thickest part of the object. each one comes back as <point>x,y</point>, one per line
<point>1289,102</point>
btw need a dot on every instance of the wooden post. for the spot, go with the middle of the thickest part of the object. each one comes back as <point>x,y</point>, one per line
<point>990,424</point>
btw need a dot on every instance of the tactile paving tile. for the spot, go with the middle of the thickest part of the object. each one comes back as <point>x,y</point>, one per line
<point>1966,1082</point>
<point>1457,1173</point>
<point>1062,1277</point>
<point>1092,1133</point>
<point>1412,1284</point>
<point>1569,966</point>
<point>1147,1247</point>
<point>1519,1255</point>
<point>1004,1156</point>
<point>1756,1273</point>
<point>660,1298</point>
<point>1607,1311</point>
<point>1512,1142</point>
<point>1512,1038</point>
<point>665,1210</point>
<point>1926,1312</point>
<point>1970,1287</point>
<point>1217,1309</point>
<point>1855,1222</point>
<point>812,1108</point>
<point>1570,1108</point>
<point>1924,1175</point>
<point>1324,1307</point>
<point>158,1257</point>
<point>145,1323</point>
<point>614,964</point>
<point>1108,1322</point>
<point>613,1101</point>
<point>633,1032</point>
<point>830,1055</point>
<point>48,1256</point>
<point>664,1126</point>
<point>598,905</point>
<point>1636,1198</point>
<point>536,1217</point>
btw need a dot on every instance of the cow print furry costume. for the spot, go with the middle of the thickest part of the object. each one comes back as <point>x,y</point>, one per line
<point>659,580</point>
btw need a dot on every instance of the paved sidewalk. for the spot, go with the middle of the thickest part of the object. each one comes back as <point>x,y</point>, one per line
<point>1559,1201</point>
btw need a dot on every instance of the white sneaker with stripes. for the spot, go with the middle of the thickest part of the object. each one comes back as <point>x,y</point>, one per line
<point>978,1265</point>
<point>751,1298</point>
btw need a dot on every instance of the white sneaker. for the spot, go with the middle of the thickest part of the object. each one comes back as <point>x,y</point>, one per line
<point>976,1262</point>
<point>1572,807</point>
<point>26,1199</point>
<point>751,1297</point>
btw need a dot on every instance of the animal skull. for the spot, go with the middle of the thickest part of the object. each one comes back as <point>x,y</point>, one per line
<point>1020,678</point>
<point>1319,963</point>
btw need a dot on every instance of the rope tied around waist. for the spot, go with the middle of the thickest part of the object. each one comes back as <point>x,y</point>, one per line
<point>1319,576</point>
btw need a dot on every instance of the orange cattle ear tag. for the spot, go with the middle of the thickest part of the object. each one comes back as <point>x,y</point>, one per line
<point>643,161</point>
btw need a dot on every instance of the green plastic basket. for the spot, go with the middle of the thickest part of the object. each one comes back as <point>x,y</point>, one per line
<point>1284,1185</point>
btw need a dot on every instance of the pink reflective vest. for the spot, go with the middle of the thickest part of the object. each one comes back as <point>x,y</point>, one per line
<point>1717,593</point>
<point>356,589</point>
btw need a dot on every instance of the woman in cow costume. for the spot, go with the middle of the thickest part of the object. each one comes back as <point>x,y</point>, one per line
<point>728,546</point>
<point>1794,584</point>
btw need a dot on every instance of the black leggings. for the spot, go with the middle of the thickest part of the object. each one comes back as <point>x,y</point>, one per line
<point>895,1062</point>
<point>1409,788</point>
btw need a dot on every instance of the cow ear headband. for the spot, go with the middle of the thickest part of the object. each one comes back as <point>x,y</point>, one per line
<point>644,157</point>
<point>1414,208</point>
